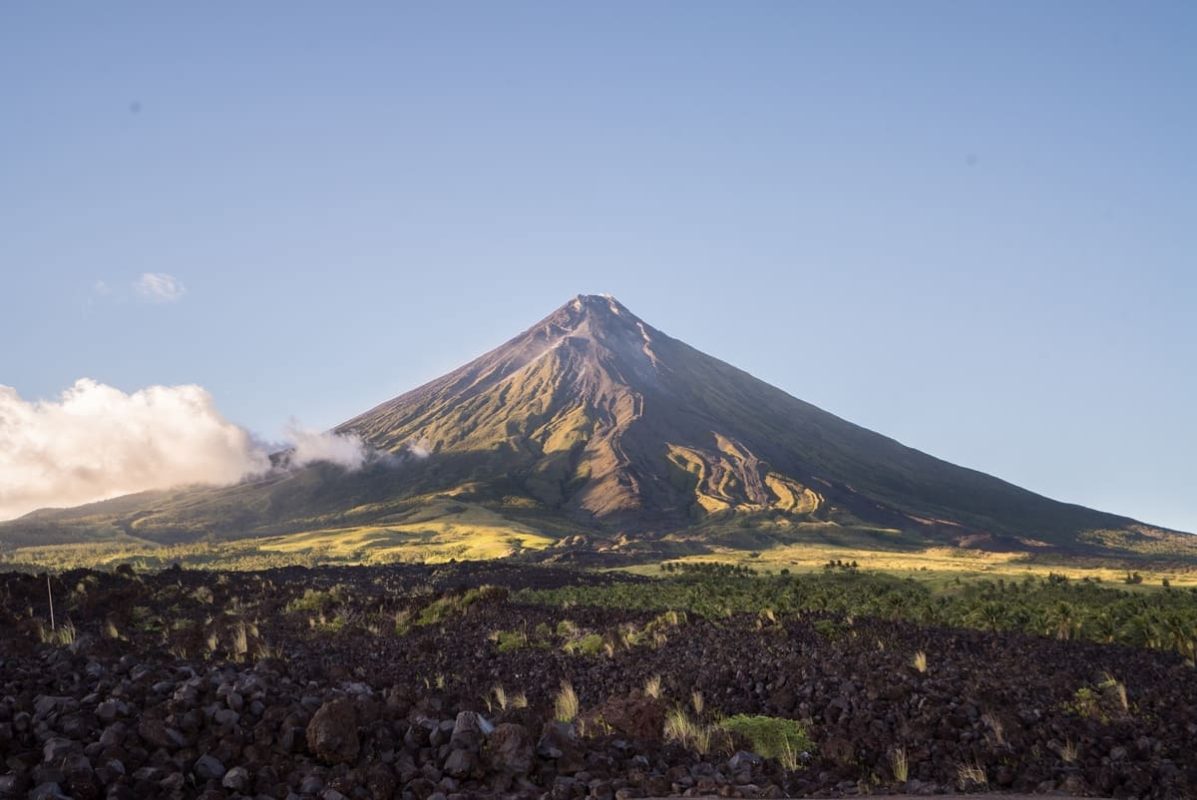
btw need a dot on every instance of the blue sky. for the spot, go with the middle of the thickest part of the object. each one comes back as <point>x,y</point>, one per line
<point>970,226</point>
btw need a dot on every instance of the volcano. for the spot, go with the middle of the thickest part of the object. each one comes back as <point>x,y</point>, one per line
<point>593,422</point>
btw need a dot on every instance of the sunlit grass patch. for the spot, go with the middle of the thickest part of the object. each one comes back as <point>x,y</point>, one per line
<point>772,737</point>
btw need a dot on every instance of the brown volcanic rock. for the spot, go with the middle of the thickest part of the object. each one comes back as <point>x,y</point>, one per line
<point>637,716</point>
<point>1004,703</point>
<point>332,733</point>
<point>509,749</point>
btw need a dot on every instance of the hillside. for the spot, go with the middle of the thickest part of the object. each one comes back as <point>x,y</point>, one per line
<point>594,423</point>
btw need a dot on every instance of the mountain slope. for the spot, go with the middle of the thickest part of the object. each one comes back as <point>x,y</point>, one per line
<point>603,415</point>
<point>594,421</point>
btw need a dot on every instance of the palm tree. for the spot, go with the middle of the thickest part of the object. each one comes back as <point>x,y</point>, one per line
<point>1061,620</point>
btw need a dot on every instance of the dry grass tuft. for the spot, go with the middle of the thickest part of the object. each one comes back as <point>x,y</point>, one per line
<point>687,732</point>
<point>565,706</point>
<point>899,765</point>
<point>971,776</point>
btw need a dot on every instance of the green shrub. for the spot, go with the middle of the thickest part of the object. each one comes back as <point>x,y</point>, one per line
<point>589,645</point>
<point>772,737</point>
<point>507,641</point>
<point>1051,606</point>
<point>314,600</point>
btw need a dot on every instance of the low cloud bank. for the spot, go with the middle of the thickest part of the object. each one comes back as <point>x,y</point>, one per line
<point>95,442</point>
<point>310,446</point>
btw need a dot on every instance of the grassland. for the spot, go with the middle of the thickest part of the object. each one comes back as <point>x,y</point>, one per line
<point>1087,609</point>
<point>440,532</point>
<point>448,530</point>
<point>941,566</point>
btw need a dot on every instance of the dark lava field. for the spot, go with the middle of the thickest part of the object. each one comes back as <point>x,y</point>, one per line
<point>446,683</point>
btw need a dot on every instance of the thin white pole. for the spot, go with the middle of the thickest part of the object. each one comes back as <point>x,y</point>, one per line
<point>50,594</point>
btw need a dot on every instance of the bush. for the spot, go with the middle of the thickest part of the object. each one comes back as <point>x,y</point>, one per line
<point>589,645</point>
<point>314,600</point>
<point>772,737</point>
<point>507,641</point>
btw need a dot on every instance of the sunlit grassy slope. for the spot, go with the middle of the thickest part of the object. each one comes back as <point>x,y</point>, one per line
<point>439,532</point>
<point>939,566</point>
<point>436,531</point>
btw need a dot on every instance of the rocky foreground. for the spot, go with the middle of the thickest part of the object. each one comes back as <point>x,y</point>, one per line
<point>380,683</point>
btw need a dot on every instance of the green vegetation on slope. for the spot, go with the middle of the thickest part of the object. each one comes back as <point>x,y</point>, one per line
<point>1165,619</point>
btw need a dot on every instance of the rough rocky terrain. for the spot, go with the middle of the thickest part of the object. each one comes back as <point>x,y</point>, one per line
<point>411,682</point>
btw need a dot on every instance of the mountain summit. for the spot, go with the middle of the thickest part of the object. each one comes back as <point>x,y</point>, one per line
<point>566,405</point>
<point>595,413</point>
<point>592,421</point>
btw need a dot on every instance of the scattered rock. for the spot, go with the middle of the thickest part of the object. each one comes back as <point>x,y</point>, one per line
<point>509,749</point>
<point>208,768</point>
<point>332,733</point>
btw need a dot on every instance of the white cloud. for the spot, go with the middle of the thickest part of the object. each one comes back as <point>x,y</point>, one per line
<point>159,287</point>
<point>310,446</point>
<point>97,442</point>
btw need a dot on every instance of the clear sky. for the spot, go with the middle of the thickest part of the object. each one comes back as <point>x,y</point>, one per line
<point>970,226</point>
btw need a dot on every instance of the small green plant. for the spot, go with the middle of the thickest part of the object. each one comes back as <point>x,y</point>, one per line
<point>1069,752</point>
<point>508,641</point>
<point>565,705</point>
<point>829,629</point>
<point>315,600</point>
<point>652,687</point>
<point>589,645</point>
<point>1116,689</point>
<point>919,662</point>
<point>1085,703</point>
<point>772,737</point>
